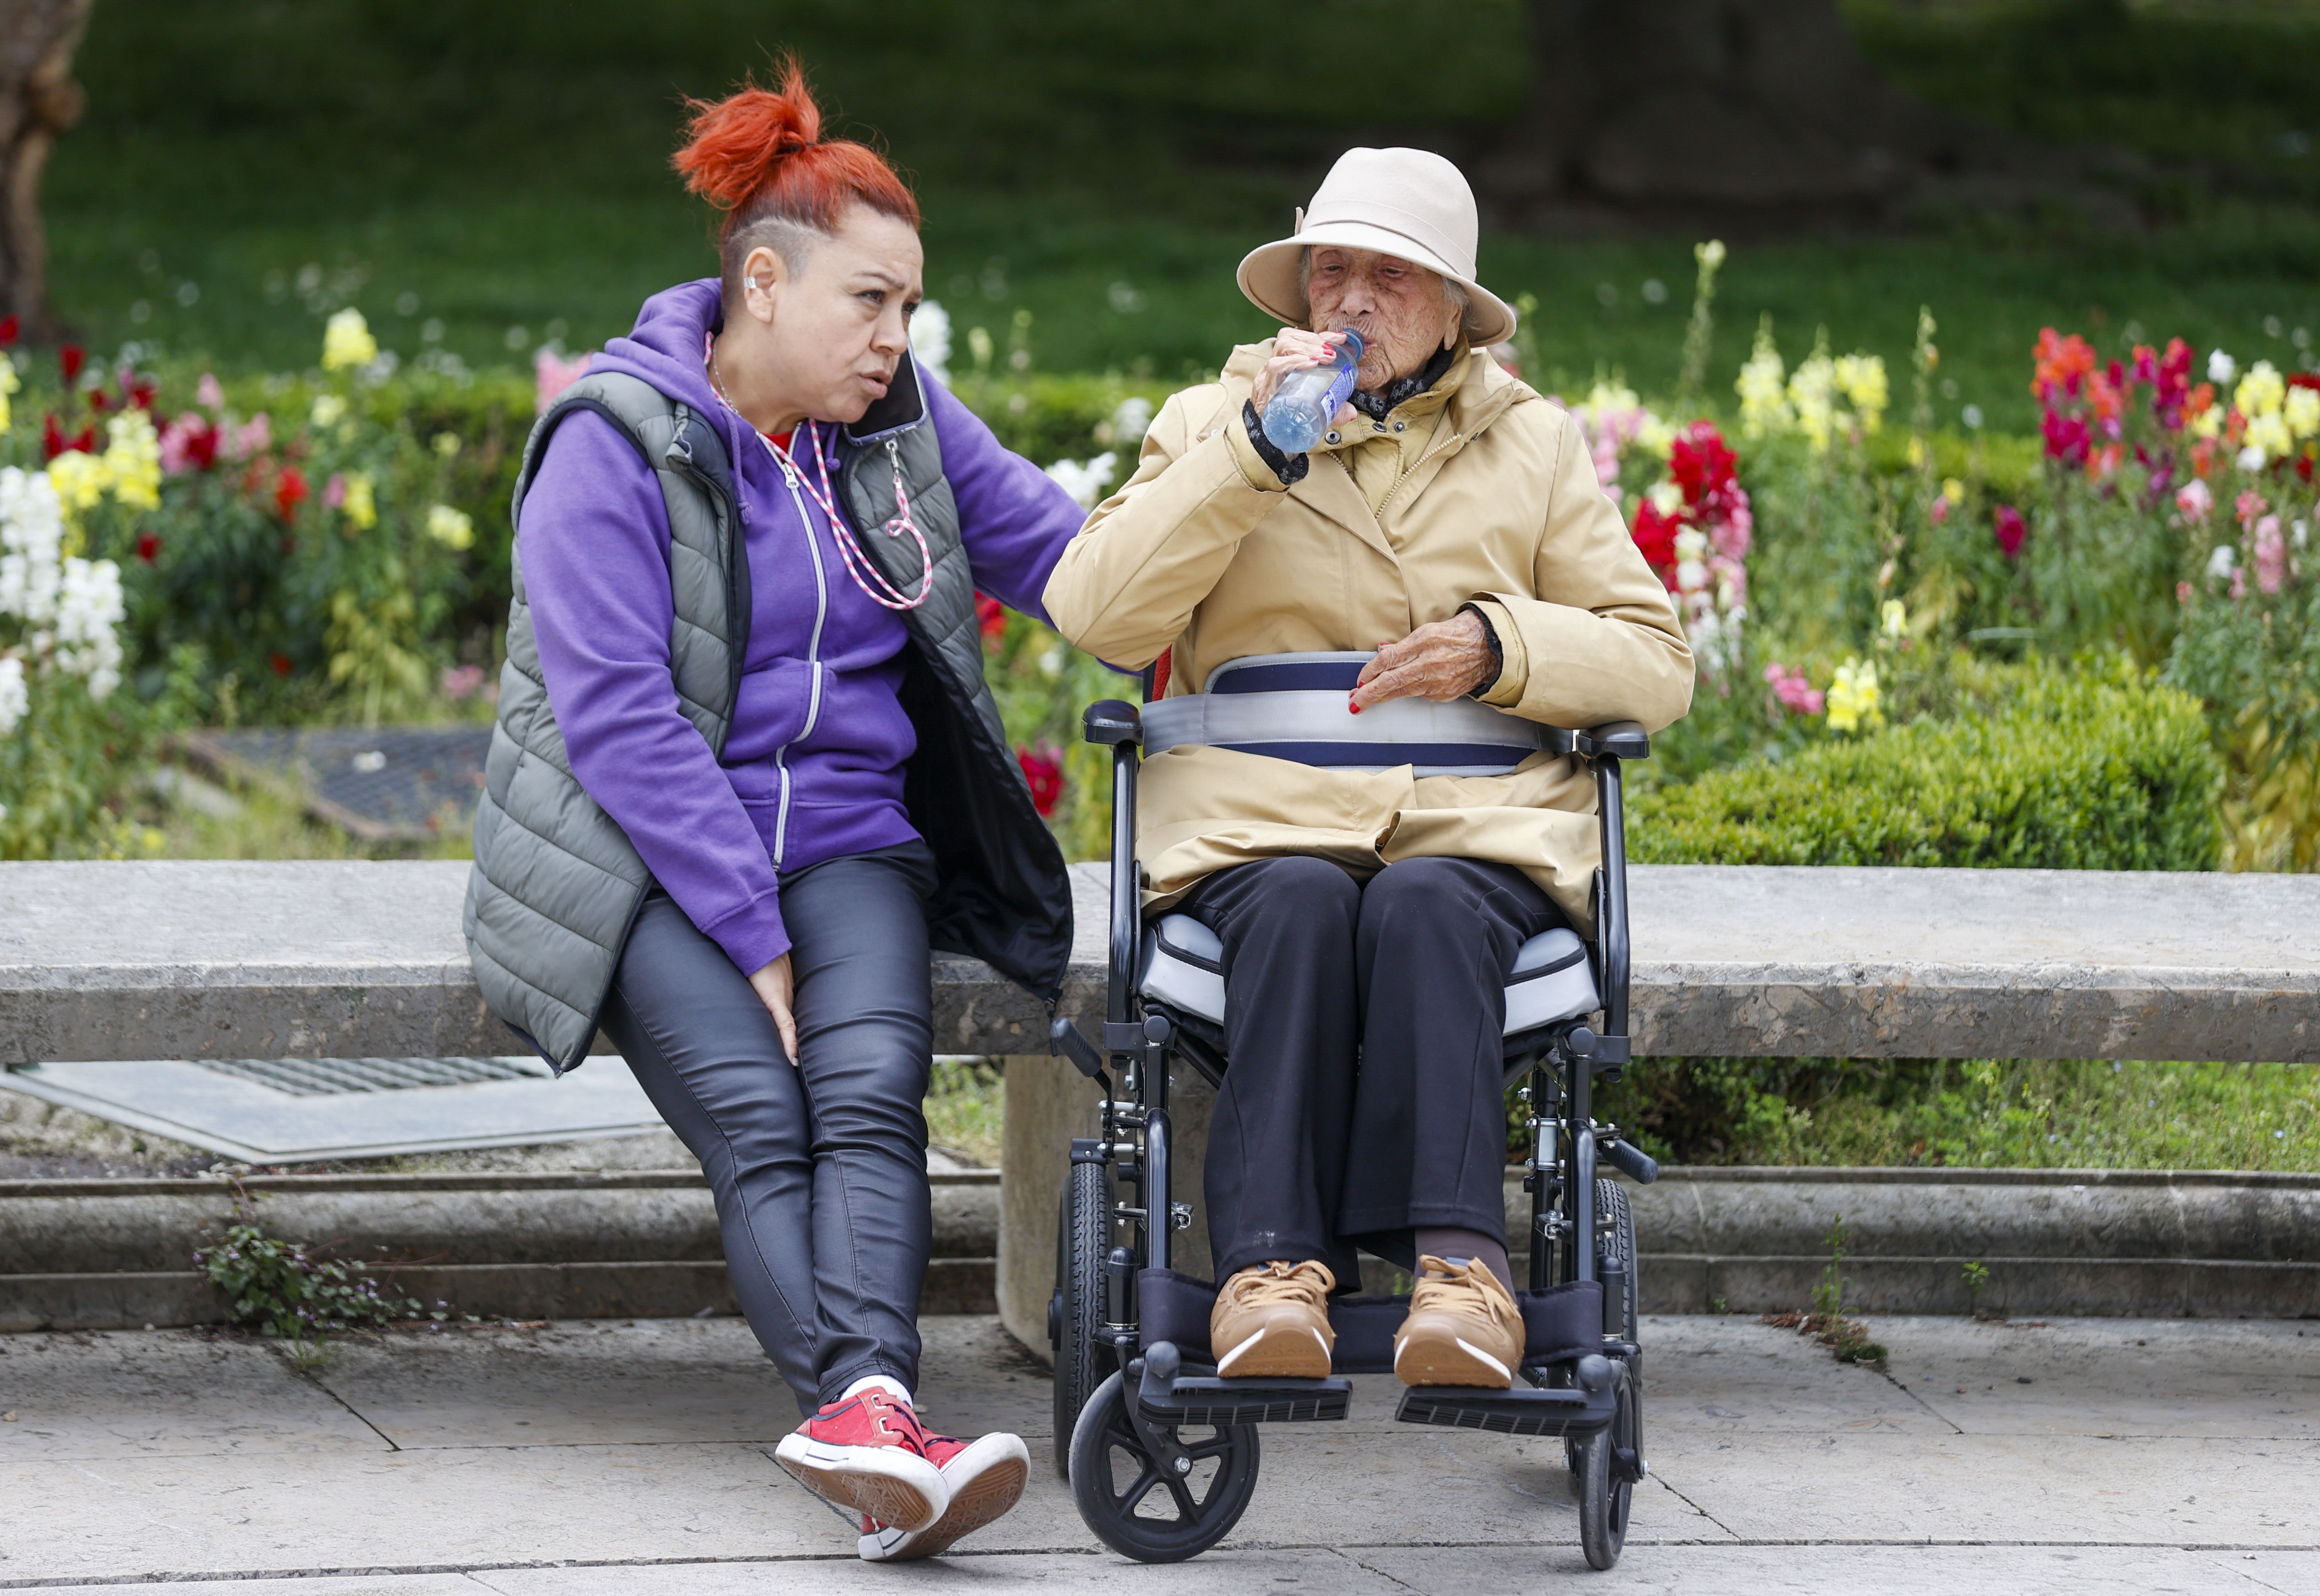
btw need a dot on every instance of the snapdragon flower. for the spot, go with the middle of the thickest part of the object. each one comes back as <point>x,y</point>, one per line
<point>1853,697</point>
<point>1763,387</point>
<point>346,342</point>
<point>2221,368</point>
<point>134,460</point>
<point>15,697</point>
<point>2260,391</point>
<point>451,528</point>
<point>930,339</point>
<point>10,383</point>
<point>88,609</point>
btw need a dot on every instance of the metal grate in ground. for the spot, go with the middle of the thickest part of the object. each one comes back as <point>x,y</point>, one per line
<point>384,784</point>
<point>324,1077</point>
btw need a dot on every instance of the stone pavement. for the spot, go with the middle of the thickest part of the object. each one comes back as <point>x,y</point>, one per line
<point>634,1457</point>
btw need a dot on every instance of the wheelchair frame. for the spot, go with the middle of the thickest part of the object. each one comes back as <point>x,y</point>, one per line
<point>1117,1394</point>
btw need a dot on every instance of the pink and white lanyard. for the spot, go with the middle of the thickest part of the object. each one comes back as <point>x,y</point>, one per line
<point>866,577</point>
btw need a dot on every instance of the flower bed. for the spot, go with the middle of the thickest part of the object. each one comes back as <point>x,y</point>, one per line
<point>334,546</point>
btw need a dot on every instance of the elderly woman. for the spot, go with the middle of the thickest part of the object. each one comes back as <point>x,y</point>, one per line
<point>1369,884</point>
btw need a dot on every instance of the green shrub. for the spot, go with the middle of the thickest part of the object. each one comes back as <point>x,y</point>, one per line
<point>2096,770</point>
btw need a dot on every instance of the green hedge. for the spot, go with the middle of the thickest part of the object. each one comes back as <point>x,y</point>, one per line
<point>2099,771</point>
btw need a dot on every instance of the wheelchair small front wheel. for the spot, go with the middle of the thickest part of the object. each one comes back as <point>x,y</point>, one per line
<point>1158,1508</point>
<point>1606,1496</point>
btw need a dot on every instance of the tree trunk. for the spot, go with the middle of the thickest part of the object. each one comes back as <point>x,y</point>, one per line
<point>38,101</point>
<point>1705,110</point>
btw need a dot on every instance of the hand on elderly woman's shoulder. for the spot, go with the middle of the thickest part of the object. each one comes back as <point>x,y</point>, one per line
<point>1441,661</point>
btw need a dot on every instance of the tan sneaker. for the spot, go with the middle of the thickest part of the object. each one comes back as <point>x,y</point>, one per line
<point>1464,1328</point>
<point>1274,1320</point>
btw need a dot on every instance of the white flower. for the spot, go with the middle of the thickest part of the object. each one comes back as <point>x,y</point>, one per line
<point>15,698</point>
<point>1691,576</point>
<point>329,410</point>
<point>1666,498</point>
<point>930,339</point>
<point>2223,562</point>
<point>1084,482</point>
<point>2221,367</point>
<point>88,609</point>
<point>2250,458</point>
<point>1131,419</point>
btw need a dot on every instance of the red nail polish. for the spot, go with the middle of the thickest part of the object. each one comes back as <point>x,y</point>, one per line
<point>1351,705</point>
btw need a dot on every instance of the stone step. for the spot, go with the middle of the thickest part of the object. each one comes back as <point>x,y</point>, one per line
<point>107,1253</point>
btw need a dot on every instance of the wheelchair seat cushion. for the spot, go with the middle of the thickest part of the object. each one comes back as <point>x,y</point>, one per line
<point>1182,967</point>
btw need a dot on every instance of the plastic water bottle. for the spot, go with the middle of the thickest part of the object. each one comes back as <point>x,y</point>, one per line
<point>1299,416</point>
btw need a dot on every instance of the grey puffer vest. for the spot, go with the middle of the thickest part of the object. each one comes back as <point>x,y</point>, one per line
<point>556,884</point>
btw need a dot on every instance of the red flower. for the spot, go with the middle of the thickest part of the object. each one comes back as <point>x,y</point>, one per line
<point>2010,529</point>
<point>992,617</point>
<point>149,547</point>
<point>2068,438</point>
<point>72,356</point>
<point>1701,463</point>
<point>289,491</point>
<point>142,393</point>
<point>279,663</point>
<point>98,401</point>
<point>1655,534</point>
<point>10,326</point>
<point>54,443</point>
<point>1043,770</point>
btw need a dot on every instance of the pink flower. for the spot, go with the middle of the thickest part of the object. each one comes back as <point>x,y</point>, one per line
<point>2193,500</point>
<point>462,682</point>
<point>551,375</point>
<point>1795,691</point>
<point>334,491</point>
<point>2249,506</point>
<point>188,443</point>
<point>253,437</point>
<point>209,391</point>
<point>2182,593</point>
<point>2007,525</point>
<point>2270,555</point>
<point>1941,509</point>
<point>2239,582</point>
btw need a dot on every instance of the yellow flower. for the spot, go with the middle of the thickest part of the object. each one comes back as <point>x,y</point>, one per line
<point>2208,423</point>
<point>134,460</point>
<point>328,409</point>
<point>9,383</point>
<point>446,444</point>
<point>1893,619</point>
<point>451,528</point>
<point>1953,489</point>
<point>2268,432</point>
<point>2301,410</point>
<point>1812,391</point>
<point>1863,379</point>
<point>361,507</point>
<point>346,342</point>
<point>1762,388</point>
<point>1853,697</point>
<point>80,479</point>
<point>2260,391</point>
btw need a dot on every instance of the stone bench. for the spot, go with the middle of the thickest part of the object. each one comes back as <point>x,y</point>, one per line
<point>330,959</point>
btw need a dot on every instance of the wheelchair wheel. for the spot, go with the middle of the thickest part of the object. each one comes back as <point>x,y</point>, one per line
<point>1605,1498</point>
<point>1143,1509</point>
<point>1619,1243</point>
<point>1077,1312</point>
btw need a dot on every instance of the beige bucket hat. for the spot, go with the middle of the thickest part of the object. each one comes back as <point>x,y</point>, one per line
<point>1409,203</point>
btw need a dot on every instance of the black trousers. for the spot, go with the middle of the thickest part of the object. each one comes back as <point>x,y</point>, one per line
<point>1364,1093</point>
<point>819,1170</point>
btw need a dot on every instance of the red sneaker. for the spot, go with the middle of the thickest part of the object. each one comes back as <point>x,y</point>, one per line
<point>986,1478</point>
<point>868,1453</point>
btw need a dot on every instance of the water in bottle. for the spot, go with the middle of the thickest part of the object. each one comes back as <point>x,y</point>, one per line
<point>1298,417</point>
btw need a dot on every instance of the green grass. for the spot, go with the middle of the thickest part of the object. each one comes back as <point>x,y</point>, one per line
<point>1100,165</point>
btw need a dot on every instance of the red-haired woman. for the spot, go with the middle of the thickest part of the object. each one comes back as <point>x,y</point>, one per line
<point>746,771</point>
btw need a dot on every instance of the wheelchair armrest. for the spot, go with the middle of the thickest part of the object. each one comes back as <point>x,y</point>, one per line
<point>1621,739</point>
<point>1113,721</point>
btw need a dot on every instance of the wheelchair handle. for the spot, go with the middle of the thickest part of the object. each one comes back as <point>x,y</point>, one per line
<point>1113,721</point>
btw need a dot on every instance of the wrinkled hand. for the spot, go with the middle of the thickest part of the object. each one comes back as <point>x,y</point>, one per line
<point>773,988</point>
<point>1441,661</point>
<point>1294,350</point>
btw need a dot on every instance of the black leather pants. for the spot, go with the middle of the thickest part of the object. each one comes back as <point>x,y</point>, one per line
<point>819,1170</point>
<point>1362,1097</point>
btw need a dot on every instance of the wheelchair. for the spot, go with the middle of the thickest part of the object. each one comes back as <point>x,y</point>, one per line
<point>1161,1454</point>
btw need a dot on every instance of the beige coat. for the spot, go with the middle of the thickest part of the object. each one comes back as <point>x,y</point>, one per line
<point>1487,494</point>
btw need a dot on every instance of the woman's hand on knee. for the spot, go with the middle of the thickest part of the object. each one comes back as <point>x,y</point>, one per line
<point>775,990</point>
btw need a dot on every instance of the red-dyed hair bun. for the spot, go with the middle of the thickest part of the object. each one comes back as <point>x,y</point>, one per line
<point>759,155</point>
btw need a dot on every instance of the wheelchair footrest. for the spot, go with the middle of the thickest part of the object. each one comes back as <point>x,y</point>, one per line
<point>1561,1412</point>
<point>1200,1400</point>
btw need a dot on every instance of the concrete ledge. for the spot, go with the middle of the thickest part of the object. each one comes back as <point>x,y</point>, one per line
<point>182,959</point>
<point>99,1255</point>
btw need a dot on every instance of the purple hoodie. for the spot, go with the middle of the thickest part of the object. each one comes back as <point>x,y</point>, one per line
<point>807,775</point>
